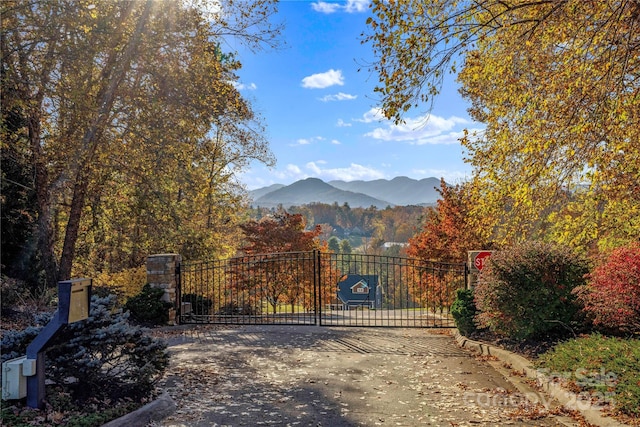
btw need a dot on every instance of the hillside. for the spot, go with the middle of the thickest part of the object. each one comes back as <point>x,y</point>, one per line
<point>399,191</point>
<point>256,194</point>
<point>312,190</point>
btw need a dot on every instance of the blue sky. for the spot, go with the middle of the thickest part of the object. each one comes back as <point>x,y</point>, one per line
<point>322,115</point>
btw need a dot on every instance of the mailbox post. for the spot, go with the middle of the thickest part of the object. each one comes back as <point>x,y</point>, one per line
<point>74,299</point>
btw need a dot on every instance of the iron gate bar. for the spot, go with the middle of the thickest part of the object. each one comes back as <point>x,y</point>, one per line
<point>302,288</point>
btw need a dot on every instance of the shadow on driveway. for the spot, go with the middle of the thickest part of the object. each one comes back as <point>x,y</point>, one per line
<point>319,376</point>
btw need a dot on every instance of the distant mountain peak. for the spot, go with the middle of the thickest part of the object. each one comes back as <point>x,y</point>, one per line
<point>400,190</point>
<point>381,193</point>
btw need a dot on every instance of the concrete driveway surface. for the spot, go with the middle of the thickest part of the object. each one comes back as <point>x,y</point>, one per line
<point>318,376</point>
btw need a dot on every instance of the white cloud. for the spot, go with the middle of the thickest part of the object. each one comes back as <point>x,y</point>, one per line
<point>307,141</point>
<point>352,172</point>
<point>318,169</point>
<point>242,86</point>
<point>373,115</point>
<point>293,169</point>
<point>342,124</point>
<point>324,7</point>
<point>352,6</point>
<point>314,168</point>
<point>335,142</point>
<point>422,130</point>
<point>340,96</point>
<point>323,80</point>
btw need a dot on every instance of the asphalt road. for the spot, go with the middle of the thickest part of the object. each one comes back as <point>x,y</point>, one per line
<point>328,376</point>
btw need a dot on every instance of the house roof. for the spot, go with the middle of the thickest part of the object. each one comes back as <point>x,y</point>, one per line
<point>357,289</point>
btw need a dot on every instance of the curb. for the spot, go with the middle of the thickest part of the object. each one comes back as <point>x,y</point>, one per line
<point>522,365</point>
<point>157,410</point>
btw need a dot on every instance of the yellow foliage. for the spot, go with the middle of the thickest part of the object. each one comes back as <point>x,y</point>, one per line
<point>556,85</point>
<point>127,282</point>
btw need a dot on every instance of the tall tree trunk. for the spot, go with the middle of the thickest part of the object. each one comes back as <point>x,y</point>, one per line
<point>45,229</point>
<point>35,100</point>
<point>92,136</point>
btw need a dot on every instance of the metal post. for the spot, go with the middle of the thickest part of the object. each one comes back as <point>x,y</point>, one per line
<point>317,291</point>
<point>178,303</point>
<point>73,305</point>
<point>35,350</point>
<point>466,277</point>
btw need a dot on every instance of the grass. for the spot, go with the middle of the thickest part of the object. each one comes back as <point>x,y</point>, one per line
<point>605,367</point>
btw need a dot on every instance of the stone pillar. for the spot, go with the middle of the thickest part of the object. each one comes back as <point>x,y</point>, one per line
<point>161,273</point>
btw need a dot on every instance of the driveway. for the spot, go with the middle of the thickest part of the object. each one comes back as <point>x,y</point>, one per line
<point>319,376</point>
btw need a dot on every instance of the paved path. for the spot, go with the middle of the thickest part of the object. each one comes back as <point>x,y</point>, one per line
<point>319,376</point>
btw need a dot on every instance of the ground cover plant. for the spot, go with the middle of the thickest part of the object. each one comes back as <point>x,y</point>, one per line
<point>61,411</point>
<point>605,369</point>
<point>97,369</point>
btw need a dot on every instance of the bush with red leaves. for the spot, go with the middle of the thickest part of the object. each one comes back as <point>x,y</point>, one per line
<point>611,297</point>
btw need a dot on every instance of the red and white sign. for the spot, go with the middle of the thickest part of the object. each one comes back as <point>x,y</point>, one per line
<point>480,259</point>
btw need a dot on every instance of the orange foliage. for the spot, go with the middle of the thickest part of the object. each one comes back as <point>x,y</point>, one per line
<point>447,233</point>
<point>279,277</point>
<point>283,232</point>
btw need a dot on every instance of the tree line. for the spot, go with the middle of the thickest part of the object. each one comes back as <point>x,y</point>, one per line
<point>556,85</point>
<point>123,131</point>
<point>392,224</point>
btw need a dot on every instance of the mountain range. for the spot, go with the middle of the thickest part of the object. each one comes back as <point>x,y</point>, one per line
<point>399,191</point>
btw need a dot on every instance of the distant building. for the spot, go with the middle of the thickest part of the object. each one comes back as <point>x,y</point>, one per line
<point>356,290</point>
<point>388,245</point>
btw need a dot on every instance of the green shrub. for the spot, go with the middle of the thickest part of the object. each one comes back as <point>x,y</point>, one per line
<point>605,368</point>
<point>463,311</point>
<point>526,291</point>
<point>102,357</point>
<point>199,304</point>
<point>148,307</point>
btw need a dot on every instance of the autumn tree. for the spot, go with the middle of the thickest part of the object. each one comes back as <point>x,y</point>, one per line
<point>611,297</point>
<point>270,242</point>
<point>447,233</point>
<point>446,236</point>
<point>433,286</point>
<point>345,216</point>
<point>131,122</point>
<point>283,232</point>
<point>555,83</point>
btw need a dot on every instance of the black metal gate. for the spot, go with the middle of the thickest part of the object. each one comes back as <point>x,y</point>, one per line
<point>316,288</point>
